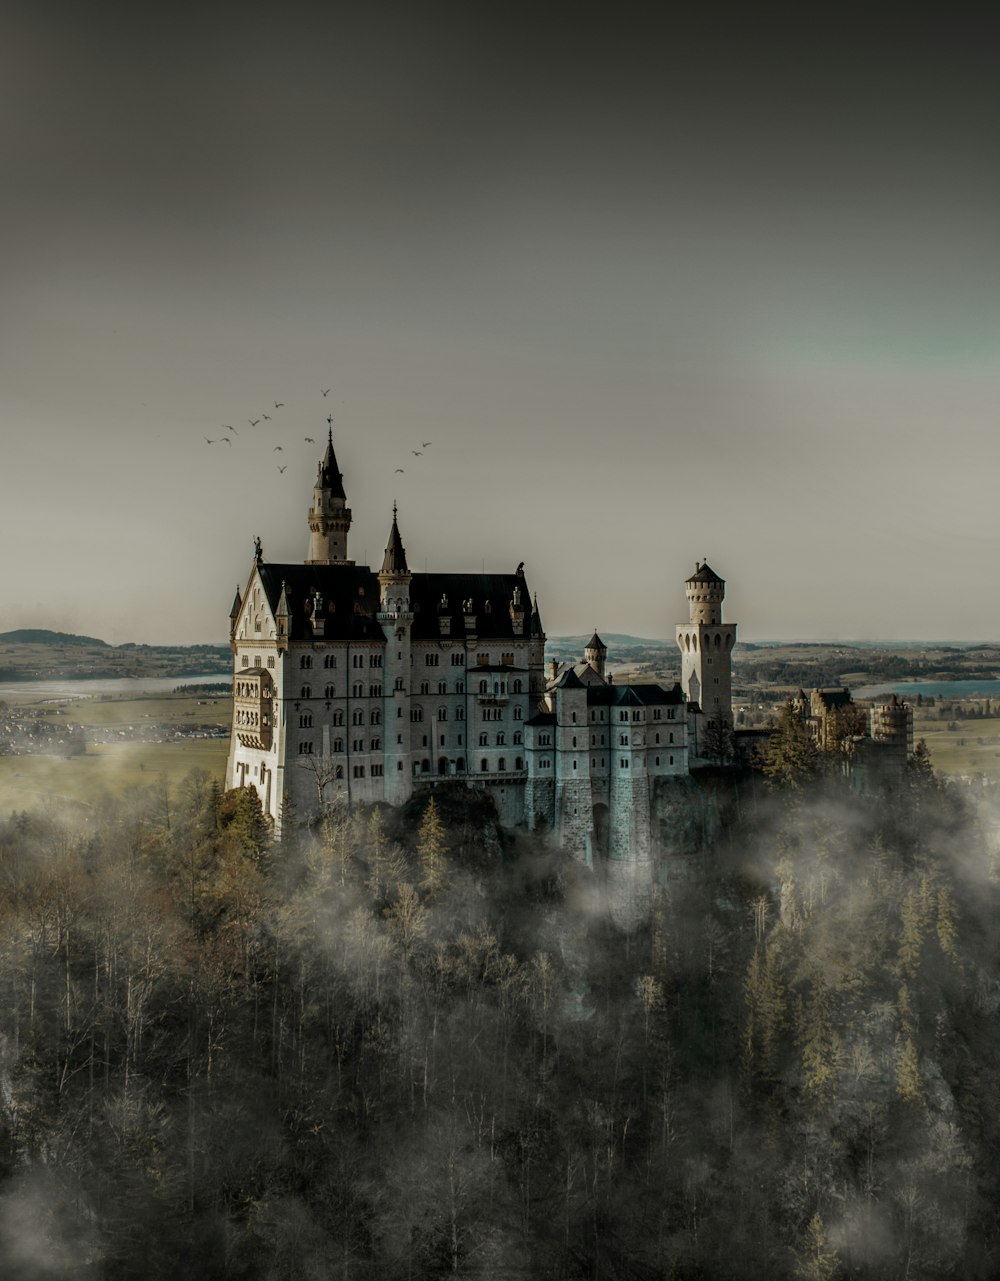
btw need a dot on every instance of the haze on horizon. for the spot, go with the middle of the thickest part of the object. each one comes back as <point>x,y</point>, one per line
<point>656,291</point>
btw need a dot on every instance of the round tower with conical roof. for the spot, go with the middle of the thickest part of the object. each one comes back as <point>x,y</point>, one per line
<point>706,645</point>
<point>329,515</point>
<point>595,654</point>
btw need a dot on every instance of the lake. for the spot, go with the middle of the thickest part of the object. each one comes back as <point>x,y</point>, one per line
<point>935,689</point>
<point>125,687</point>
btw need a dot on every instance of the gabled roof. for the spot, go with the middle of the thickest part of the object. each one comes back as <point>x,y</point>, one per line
<point>568,680</point>
<point>351,593</point>
<point>634,696</point>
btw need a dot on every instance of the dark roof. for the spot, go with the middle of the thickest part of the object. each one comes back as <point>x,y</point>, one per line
<point>595,642</point>
<point>541,718</point>
<point>237,604</point>
<point>704,573</point>
<point>490,594</point>
<point>569,680</point>
<point>536,620</point>
<point>329,473</point>
<point>351,600</point>
<point>394,560</point>
<point>350,595</point>
<point>634,695</point>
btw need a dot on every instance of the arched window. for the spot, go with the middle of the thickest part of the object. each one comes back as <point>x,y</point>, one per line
<point>442,713</point>
<point>517,687</point>
<point>305,720</point>
<point>358,690</point>
<point>483,739</point>
<point>330,692</point>
<point>306,692</point>
<point>460,764</point>
<point>442,687</point>
<point>376,717</point>
<point>425,766</point>
<point>357,717</point>
<point>484,766</point>
<point>376,745</point>
<point>518,763</point>
<point>330,660</point>
<point>502,764</point>
<point>305,661</point>
<point>518,715</point>
<point>374,691</point>
<point>338,744</point>
<point>483,687</point>
<point>500,740</point>
<point>339,772</point>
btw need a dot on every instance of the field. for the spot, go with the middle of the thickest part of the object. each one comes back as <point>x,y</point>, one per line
<point>971,750</point>
<point>120,760</point>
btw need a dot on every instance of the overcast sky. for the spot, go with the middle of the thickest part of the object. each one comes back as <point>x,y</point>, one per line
<point>655,292</point>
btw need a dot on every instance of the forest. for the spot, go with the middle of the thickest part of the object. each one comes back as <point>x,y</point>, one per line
<point>405,1044</point>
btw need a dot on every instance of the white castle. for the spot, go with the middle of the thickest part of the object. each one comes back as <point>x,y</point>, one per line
<point>362,687</point>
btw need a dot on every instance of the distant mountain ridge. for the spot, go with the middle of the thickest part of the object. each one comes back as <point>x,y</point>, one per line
<point>41,636</point>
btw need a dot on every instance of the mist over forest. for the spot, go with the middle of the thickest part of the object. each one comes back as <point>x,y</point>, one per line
<point>407,1044</point>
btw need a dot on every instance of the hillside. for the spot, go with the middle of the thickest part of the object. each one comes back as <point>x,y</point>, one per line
<point>41,636</point>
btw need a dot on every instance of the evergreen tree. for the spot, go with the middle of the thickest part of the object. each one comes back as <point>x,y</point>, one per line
<point>431,851</point>
<point>793,759</point>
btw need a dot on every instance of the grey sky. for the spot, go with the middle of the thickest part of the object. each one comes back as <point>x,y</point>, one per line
<point>655,293</point>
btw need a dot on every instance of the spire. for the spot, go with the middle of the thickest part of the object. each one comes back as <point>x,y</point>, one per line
<point>237,603</point>
<point>330,477</point>
<point>595,642</point>
<point>283,611</point>
<point>536,619</point>
<point>394,561</point>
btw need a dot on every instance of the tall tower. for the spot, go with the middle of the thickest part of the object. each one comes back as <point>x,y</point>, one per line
<point>396,618</point>
<point>329,515</point>
<point>706,645</point>
<point>595,654</point>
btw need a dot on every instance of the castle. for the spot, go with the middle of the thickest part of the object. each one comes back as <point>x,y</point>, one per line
<point>361,686</point>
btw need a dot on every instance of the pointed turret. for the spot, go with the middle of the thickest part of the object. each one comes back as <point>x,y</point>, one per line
<point>394,560</point>
<point>394,576</point>
<point>329,515</point>
<point>234,615</point>
<point>283,615</point>
<point>536,620</point>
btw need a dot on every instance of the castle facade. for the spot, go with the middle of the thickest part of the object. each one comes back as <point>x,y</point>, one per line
<point>361,686</point>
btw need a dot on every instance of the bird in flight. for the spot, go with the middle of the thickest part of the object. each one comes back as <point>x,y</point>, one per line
<point>224,440</point>
<point>283,468</point>
<point>425,443</point>
<point>309,440</point>
<point>277,448</point>
<point>209,442</point>
<point>327,392</point>
<point>399,469</point>
<point>417,453</point>
<point>253,421</point>
<point>279,404</point>
<point>230,427</point>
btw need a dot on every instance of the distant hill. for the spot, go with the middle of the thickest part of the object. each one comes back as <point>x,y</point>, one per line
<point>39,636</point>
<point>609,638</point>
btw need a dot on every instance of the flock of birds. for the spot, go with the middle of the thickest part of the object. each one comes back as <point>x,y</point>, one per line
<point>308,440</point>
